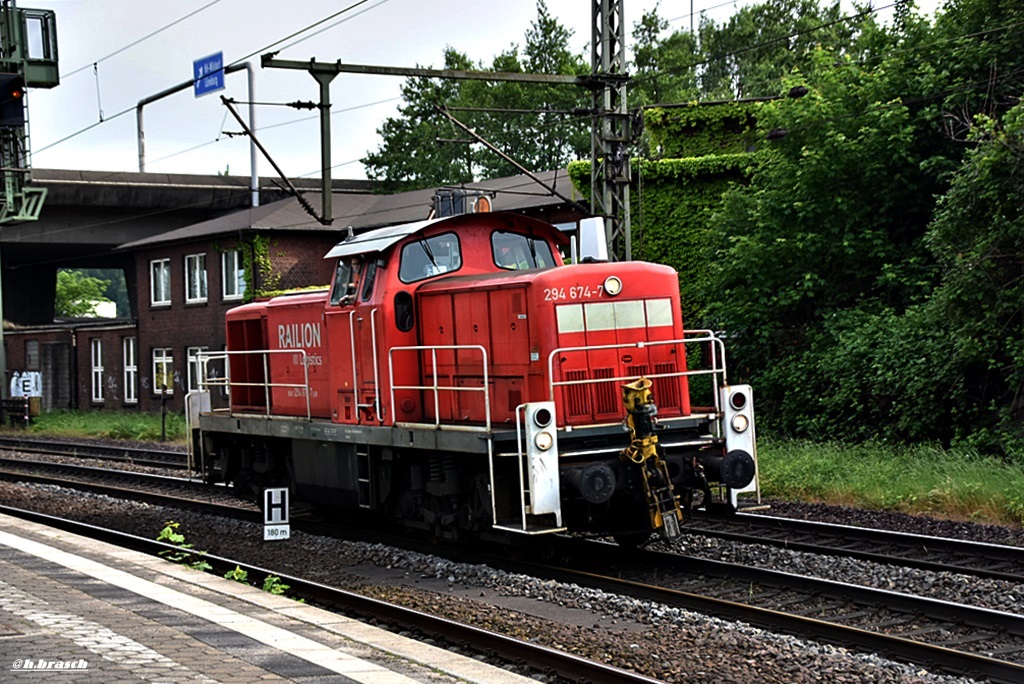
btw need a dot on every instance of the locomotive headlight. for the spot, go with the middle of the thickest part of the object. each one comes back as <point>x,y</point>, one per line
<point>612,285</point>
<point>543,440</point>
<point>740,422</point>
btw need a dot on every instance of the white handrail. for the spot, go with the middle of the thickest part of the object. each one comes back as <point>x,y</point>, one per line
<point>435,388</point>
<point>706,336</point>
<point>352,344</point>
<point>205,357</point>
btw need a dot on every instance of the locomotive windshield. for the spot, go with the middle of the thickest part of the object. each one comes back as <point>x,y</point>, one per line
<point>520,252</point>
<point>428,257</point>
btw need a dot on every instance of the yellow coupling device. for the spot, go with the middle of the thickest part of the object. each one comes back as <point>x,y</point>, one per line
<point>643,450</point>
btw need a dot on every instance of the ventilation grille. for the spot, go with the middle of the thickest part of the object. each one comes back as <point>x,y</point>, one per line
<point>666,390</point>
<point>608,400</point>
<point>577,397</point>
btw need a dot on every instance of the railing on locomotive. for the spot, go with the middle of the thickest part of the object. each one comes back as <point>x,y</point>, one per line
<point>717,373</point>
<point>205,381</point>
<point>436,388</point>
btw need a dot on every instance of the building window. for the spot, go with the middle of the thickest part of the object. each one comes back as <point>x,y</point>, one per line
<point>195,370</point>
<point>96,348</point>
<point>160,281</point>
<point>195,278</point>
<point>31,354</point>
<point>163,371</point>
<point>131,370</point>
<point>233,274</point>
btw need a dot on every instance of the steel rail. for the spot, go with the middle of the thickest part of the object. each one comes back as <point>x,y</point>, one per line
<point>924,552</point>
<point>195,494</point>
<point>112,452</point>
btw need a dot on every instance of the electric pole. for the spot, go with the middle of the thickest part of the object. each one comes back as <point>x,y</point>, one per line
<point>610,131</point>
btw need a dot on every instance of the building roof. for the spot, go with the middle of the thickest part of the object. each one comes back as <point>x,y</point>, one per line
<point>363,211</point>
<point>129,189</point>
<point>379,239</point>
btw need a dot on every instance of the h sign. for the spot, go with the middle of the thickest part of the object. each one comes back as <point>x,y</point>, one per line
<point>275,506</point>
<point>208,74</point>
<point>275,514</point>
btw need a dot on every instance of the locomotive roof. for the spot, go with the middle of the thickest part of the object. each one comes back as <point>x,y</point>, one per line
<point>380,239</point>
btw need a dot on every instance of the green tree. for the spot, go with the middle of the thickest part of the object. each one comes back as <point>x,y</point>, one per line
<point>665,68</point>
<point>77,294</point>
<point>859,305</point>
<point>978,237</point>
<point>116,290</point>
<point>549,138</point>
<point>748,55</point>
<point>411,155</point>
<point>421,148</point>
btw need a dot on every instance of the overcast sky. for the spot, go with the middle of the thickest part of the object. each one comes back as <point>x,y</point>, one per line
<point>185,134</point>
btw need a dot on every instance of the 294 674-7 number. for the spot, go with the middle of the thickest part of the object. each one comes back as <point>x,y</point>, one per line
<point>557,294</point>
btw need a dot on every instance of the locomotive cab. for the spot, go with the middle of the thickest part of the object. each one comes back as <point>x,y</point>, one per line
<point>459,377</point>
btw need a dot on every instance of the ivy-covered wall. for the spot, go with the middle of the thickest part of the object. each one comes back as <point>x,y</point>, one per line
<point>705,150</point>
<point>698,130</point>
<point>671,201</point>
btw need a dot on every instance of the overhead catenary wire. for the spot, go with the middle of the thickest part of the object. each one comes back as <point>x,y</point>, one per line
<point>132,44</point>
<point>238,61</point>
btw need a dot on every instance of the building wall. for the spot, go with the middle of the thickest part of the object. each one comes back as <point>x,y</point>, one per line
<point>63,356</point>
<point>174,328</point>
<point>50,355</point>
<point>101,379</point>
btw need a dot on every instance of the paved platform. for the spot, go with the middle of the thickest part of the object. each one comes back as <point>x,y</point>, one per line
<point>77,610</point>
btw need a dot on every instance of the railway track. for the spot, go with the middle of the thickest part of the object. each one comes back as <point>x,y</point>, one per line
<point>958,638</point>
<point>95,450</point>
<point>161,489</point>
<point>924,552</point>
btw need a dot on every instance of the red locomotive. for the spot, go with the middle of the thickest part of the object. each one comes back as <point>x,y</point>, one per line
<point>459,377</point>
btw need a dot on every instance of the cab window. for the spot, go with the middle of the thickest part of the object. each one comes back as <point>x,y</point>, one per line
<point>520,252</point>
<point>429,257</point>
<point>346,280</point>
<point>369,277</point>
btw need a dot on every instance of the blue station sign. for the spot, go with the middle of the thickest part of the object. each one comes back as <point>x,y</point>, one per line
<point>208,74</point>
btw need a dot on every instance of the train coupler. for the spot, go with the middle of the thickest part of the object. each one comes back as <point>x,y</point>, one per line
<point>662,503</point>
<point>641,417</point>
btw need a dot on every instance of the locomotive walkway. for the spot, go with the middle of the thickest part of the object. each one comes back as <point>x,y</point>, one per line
<point>97,612</point>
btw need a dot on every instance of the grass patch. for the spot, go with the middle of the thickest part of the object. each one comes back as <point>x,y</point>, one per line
<point>134,426</point>
<point>959,485</point>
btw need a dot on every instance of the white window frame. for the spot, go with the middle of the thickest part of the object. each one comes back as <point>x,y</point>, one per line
<point>130,349</point>
<point>163,368</point>
<point>160,272</point>
<point>96,358</point>
<point>232,290</point>
<point>194,371</point>
<point>196,290</point>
